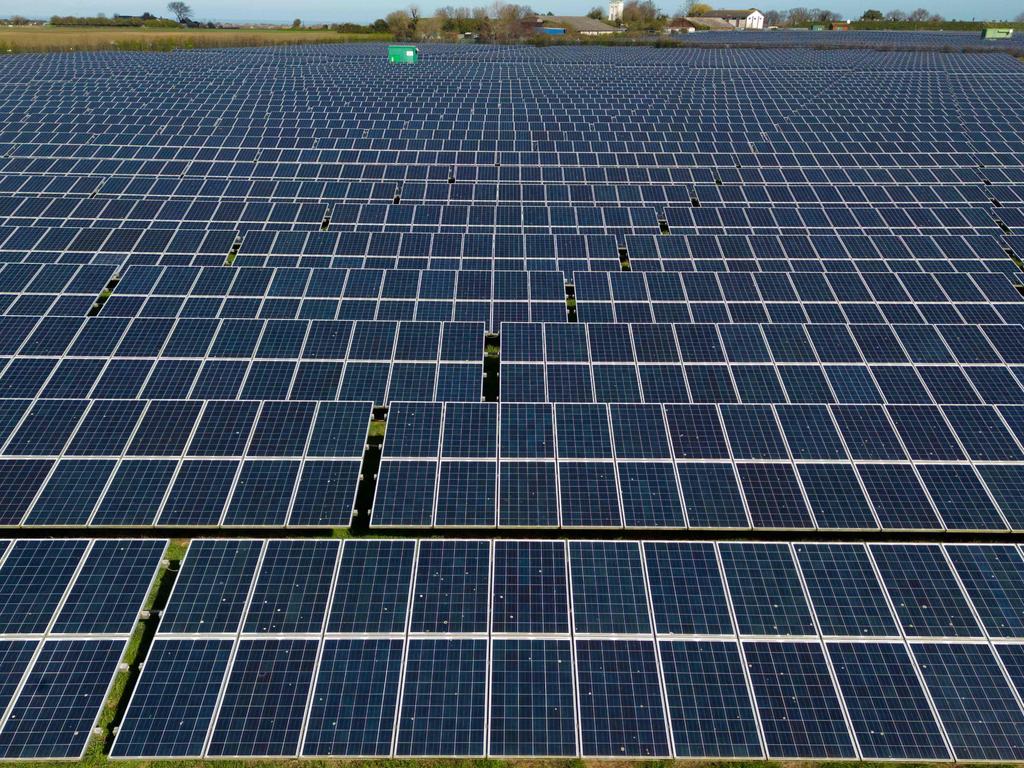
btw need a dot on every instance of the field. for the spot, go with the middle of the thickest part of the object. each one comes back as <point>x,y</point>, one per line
<point>56,39</point>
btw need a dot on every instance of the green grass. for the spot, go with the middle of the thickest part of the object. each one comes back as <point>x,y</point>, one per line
<point>378,427</point>
<point>492,350</point>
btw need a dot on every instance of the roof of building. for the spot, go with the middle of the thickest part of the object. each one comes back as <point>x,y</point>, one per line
<point>734,14</point>
<point>579,23</point>
<point>711,22</point>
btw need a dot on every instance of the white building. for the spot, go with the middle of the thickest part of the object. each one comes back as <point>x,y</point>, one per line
<point>748,18</point>
<point>615,10</point>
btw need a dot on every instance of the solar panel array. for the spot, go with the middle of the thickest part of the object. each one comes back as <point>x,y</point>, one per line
<point>67,609</point>
<point>769,289</point>
<point>818,244</point>
<point>594,648</point>
<point>699,465</point>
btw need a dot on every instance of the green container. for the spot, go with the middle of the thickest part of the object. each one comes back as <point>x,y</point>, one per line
<point>817,28</point>
<point>997,34</point>
<point>403,54</point>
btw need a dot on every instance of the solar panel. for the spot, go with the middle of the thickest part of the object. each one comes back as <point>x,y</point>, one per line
<point>890,713</point>
<point>800,711</point>
<point>981,716</point>
<point>708,700</point>
<point>173,703</point>
<point>608,592</point>
<point>352,711</point>
<point>443,698</point>
<point>621,710</point>
<point>60,699</point>
<point>264,699</point>
<point>532,710</point>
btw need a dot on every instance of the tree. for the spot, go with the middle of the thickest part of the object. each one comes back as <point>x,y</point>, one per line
<point>297,24</point>
<point>641,14</point>
<point>918,14</point>
<point>872,15</point>
<point>797,16</point>
<point>180,10</point>
<point>17,21</point>
<point>694,8</point>
<point>896,15</point>
<point>400,25</point>
<point>773,18</point>
<point>1020,17</point>
<point>595,13</point>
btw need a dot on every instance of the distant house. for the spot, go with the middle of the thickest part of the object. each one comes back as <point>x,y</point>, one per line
<point>747,18</point>
<point>582,25</point>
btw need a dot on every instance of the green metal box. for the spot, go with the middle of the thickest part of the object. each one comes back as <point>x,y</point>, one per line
<point>403,54</point>
<point>992,33</point>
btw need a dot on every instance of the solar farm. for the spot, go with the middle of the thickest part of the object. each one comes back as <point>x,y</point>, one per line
<point>523,402</point>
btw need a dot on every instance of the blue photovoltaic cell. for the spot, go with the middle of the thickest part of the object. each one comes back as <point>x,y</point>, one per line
<point>292,588</point>
<point>111,587</point>
<point>621,712</point>
<point>33,580</point>
<point>588,494</point>
<point>173,703</point>
<point>372,590</point>
<point>452,586</point>
<point>924,591</point>
<point>708,701</point>
<point>15,656</point>
<point>712,496</point>
<point>888,708</point>
<point>405,493</point>
<point>53,715</point>
<point>413,431</point>
<point>845,593</point>
<point>265,698</point>
<point>686,589</point>
<point>765,590</point>
<point>352,712</point>
<point>994,579</point>
<point>975,703</point>
<point>532,710</point>
<point>608,593</point>
<point>527,494</point>
<point>444,698</point>
<point>530,588</point>
<point>212,587</point>
<point>800,712</point>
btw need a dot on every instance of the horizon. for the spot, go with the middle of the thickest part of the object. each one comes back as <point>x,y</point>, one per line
<point>320,12</point>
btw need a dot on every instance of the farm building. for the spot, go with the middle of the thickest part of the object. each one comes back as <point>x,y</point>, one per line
<point>748,18</point>
<point>582,25</point>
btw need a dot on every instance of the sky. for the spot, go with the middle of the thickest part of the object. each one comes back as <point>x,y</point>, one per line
<point>324,11</point>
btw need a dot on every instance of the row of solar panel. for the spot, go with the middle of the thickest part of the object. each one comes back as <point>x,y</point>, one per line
<point>548,683</point>
<point>93,484</point>
<point>368,340</point>
<point>874,343</point>
<point>883,287</point>
<point>702,466</point>
<point>542,588</point>
<point>931,187</point>
<point>597,697</point>
<point>870,253</point>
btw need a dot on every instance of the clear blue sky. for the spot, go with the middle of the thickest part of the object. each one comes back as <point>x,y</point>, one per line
<point>346,10</point>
